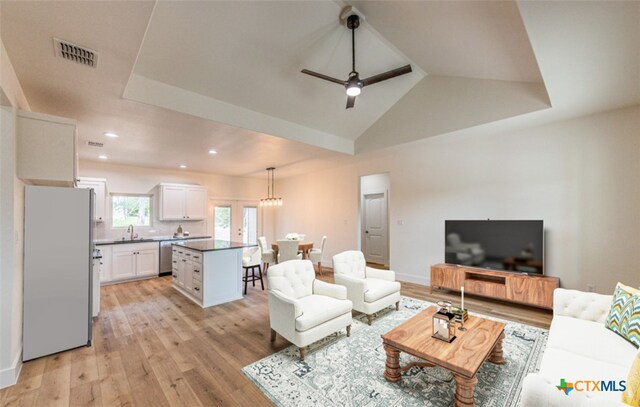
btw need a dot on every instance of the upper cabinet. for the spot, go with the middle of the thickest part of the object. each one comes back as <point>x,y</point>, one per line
<point>182,202</point>
<point>46,149</point>
<point>99,186</point>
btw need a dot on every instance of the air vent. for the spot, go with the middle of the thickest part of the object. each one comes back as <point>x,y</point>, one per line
<point>75,53</point>
<point>95,144</point>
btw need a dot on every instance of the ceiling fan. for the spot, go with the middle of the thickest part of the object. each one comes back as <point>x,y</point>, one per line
<point>354,84</point>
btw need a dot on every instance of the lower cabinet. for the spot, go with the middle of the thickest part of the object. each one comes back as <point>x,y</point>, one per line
<point>127,261</point>
<point>208,277</point>
<point>187,271</point>
<point>107,258</point>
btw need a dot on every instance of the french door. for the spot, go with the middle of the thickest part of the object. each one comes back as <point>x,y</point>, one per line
<point>235,221</point>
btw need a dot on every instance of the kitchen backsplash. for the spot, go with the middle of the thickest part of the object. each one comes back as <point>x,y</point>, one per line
<point>105,232</point>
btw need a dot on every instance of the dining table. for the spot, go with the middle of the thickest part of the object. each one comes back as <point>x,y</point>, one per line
<point>303,245</point>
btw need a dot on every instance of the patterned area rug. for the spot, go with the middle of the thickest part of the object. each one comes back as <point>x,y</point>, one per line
<point>341,371</point>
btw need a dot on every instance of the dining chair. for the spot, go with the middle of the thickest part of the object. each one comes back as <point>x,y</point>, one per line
<point>268,255</point>
<point>251,261</point>
<point>288,250</point>
<point>315,255</point>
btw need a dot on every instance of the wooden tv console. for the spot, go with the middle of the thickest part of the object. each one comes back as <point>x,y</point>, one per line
<point>521,288</point>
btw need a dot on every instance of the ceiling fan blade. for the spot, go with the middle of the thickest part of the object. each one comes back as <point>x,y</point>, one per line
<point>325,77</point>
<point>351,100</point>
<point>386,75</point>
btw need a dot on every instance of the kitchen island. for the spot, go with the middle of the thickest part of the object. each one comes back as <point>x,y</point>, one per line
<point>208,272</point>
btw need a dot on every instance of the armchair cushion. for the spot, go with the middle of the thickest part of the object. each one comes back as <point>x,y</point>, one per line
<point>378,289</point>
<point>318,309</point>
<point>381,274</point>
<point>330,290</point>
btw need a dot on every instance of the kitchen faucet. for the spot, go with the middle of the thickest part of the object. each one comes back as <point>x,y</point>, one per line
<point>130,230</point>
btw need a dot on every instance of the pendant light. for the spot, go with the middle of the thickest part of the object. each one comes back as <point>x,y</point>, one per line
<point>270,200</point>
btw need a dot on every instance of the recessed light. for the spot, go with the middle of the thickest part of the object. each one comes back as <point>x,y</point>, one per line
<point>183,166</point>
<point>110,134</point>
<point>102,157</point>
<point>212,151</point>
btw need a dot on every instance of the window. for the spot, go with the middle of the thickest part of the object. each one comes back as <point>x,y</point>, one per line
<point>250,225</point>
<point>130,210</point>
<point>222,226</point>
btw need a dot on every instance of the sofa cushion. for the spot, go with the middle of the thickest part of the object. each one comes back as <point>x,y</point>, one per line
<point>632,395</point>
<point>317,309</point>
<point>624,315</point>
<point>580,336</point>
<point>378,288</point>
<point>560,364</point>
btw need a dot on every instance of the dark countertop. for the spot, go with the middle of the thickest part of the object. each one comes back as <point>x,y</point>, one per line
<point>213,245</point>
<point>151,239</point>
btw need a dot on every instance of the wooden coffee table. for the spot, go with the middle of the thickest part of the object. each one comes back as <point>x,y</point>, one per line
<point>463,357</point>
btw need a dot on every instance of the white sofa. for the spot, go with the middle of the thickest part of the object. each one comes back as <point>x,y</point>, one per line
<point>369,289</point>
<point>579,348</point>
<point>303,309</point>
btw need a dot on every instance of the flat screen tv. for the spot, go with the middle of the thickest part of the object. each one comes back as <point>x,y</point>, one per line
<point>506,245</point>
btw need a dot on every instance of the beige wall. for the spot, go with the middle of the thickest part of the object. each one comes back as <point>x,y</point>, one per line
<point>11,221</point>
<point>582,177</point>
<point>128,179</point>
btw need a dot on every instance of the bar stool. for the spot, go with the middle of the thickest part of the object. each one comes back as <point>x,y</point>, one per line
<point>250,263</point>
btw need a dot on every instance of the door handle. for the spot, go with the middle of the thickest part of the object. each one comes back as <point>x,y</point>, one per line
<point>366,231</point>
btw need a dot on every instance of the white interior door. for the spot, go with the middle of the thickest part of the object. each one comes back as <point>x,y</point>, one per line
<point>236,221</point>
<point>375,240</point>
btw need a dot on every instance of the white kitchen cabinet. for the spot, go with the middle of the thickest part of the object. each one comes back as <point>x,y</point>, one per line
<point>95,306</point>
<point>46,149</point>
<point>123,266</point>
<point>206,274</point>
<point>99,186</point>
<point>196,203</point>
<point>147,262</point>
<point>182,202</point>
<point>172,202</point>
<point>130,261</point>
<point>105,267</point>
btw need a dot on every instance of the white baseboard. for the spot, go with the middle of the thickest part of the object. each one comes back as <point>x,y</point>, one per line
<point>9,376</point>
<point>410,278</point>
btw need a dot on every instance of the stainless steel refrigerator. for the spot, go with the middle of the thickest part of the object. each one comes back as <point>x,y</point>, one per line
<point>58,249</point>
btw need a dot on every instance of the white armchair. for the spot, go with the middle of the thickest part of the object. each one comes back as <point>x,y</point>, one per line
<point>302,309</point>
<point>369,289</point>
<point>268,255</point>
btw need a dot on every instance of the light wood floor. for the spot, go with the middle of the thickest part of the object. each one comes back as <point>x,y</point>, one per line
<point>153,347</point>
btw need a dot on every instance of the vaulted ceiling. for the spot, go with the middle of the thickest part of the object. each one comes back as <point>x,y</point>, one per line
<point>175,79</point>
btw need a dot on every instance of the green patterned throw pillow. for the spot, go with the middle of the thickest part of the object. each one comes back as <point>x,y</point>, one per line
<point>624,315</point>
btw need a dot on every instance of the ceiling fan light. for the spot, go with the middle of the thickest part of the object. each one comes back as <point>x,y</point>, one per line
<point>353,90</point>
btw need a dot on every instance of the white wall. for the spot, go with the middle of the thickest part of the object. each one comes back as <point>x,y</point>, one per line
<point>580,176</point>
<point>141,180</point>
<point>11,221</point>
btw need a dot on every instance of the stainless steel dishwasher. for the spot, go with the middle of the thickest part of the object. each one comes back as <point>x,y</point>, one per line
<point>165,255</point>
